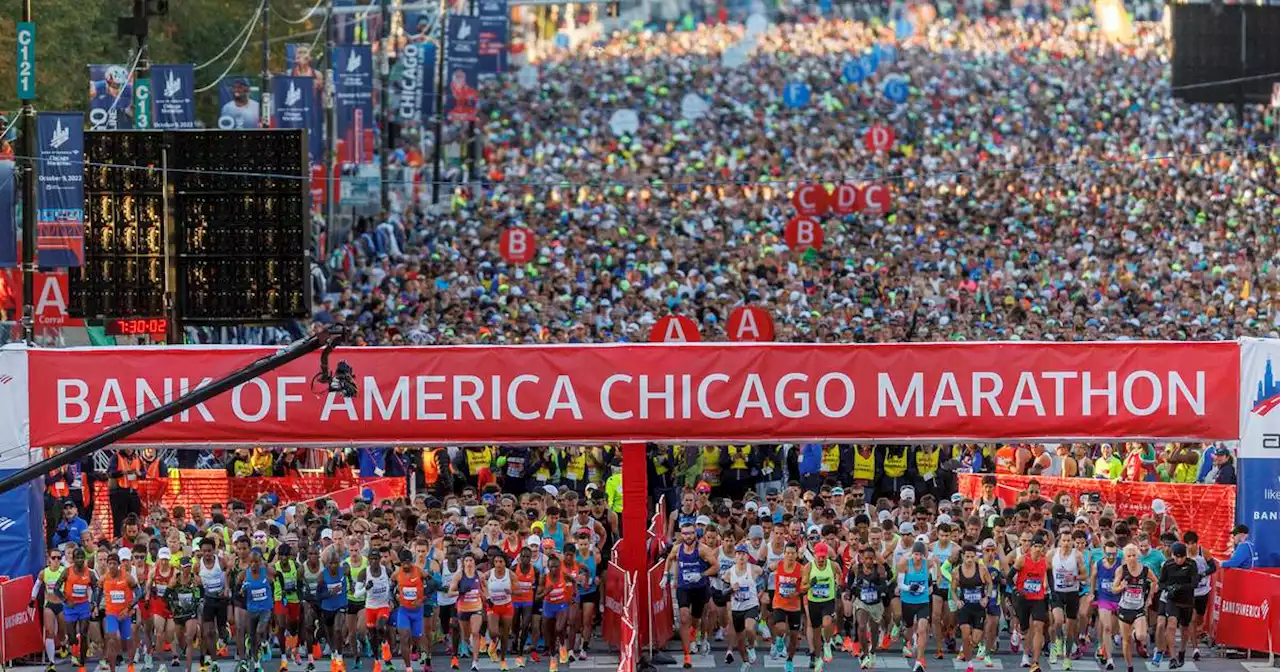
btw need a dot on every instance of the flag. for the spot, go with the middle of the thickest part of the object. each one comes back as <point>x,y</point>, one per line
<point>173,96</point>
<point>60,217</point>
<point>462,97</point>
<point>352,68</point>
<point>494,19</point>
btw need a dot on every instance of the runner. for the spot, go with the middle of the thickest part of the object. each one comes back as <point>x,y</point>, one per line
<point>215,586</point>
<point>411,590</point>
<point>447,602</point>
<point>1068,568</point>
<point>182,598</point>
<point>288,604</point>
<point>468,587</point>
<point>823,585</point>
<point>256,588</point>
<point>312,575</point>
<point>942,555</point>
<point>1206,566</point>
<point>588,559</point>
<point>1031,573</point>
<point>164,628</point>
<point>693,563</point>
<point>498,593</point>
<point>1178,580</point>
<point>524,585</point>
<point>555,596</point>
<point>1136,585</point>
<point>1103,579</point>
<point>868,585</point>
<point>44,584</point>
<point>333,590</point>
<point>971,588</point>
<point>997,568</point>
<point>914,572</point>
<point>377,612</point>
<point>118,600</point>
<point>355,564</point>
<point>789,589</point>
<point>75,588</point>
<point>743,579</point>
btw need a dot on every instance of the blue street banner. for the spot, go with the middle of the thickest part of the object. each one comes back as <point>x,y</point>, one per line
<point>462,68</point>
<point>8,219</point>
<point>353,100</point>
<point>294,106</point>
<point>494,19</point>
<point>238,105</point>
<point>359,28</point>
<point>416,26</point>
<point>110,98</point>
<point>173,96</point>
<point>1258,470</point>
<point>60,217</point>
<point>417,84</point>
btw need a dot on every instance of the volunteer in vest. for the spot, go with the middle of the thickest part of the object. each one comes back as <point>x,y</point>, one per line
<point>743,580</point>
<point>468,587</point>
<point>1206,567</point>
<point>215,585</point>
<point>1032,585</point>
<point>555,593</point>
<point>1136,586</point>
<point>971,589</point>
<point>498,590</point>
<point>411,591</point>
<point>182,598</point>
<point>789,589</point>
<point>524,583</point>
<point>926,461</point>
<point>355,564</point>
<point>712,468</point>
<point>914,571</point>
<point>771,463</point>
<point>868,588</point>
<point>692,563</point>
<point>119,596</point>
<point>588,559</point>
<point>123,473</point>
<point>376,579</point>
<point>1068,566</point>
<point>863,457</point>
<point>44,584</point>
<point>162,576</point>
<point>258,597</point>
<point>893,471</point>
<point>436,475</point>
<point>823,582</point>
<point>334,587</point>
<point>737,466</point>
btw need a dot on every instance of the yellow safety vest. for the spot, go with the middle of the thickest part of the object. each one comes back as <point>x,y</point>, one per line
<point>864,467</point>
<point>738,456</point>
<point>711,465</point>
<point>577,469</point>
<point>895,465</point>
<point>544,472</point>
<point>479,459</point>
<point>927,460</point>
<point>830,459</point>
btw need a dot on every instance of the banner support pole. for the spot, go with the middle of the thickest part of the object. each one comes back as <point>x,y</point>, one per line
<point>437,152</point>
<point>29,208</point>
<point>331,134</point>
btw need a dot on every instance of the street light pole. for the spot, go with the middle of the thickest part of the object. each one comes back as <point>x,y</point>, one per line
<point>27,161</point>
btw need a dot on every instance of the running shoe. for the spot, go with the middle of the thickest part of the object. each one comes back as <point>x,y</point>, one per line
<point>1066,663</point>
<point>688,661</point>
<point>453,662</point>
<point>1035,668</point>
<point>827,654</point>
<point>1055,649</point>
<point>790,666</point>
<point>745,666</point>
<point>502,666</point>
<point>1015,640</point>
<point>968,666</point>
<point>1174,663</point>
<point>554,664</point>
<point>1111,665</point>
<point>987,662</point>
<point>728,657</point>
<point>475,665</point>
<point>1158,658</point>
<point>751,655</point>
<point>862,662</point>
<point>564,655</point>
<point>1195,655</point>
<point>582,654</point>
<point>919,667</point>
<point>520,662</point>
<point>852,646</point>
<point>886,640</point>
<point>1026,660</point>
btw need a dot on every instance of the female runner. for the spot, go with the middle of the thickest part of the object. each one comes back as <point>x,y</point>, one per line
<point>1136,585</point>
<point>555,594</point>
<point>469,589</point>
<point>498,591</point>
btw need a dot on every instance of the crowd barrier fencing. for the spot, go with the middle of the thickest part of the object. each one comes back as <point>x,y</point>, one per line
<point>1210,510</point>
<point>21,636</point>
<point>185,487</point>
<point>1245,610</point>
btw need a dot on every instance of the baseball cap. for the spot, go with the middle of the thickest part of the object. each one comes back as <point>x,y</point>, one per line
<point>957,497</point>
<point>988,543</point>
<point>883,516</point>
<point>703,487</point>
<point>703,520</point>
<point>764,511</point>
<point>741,548</point>
<point>1223,452</point>
<point>1158,506</point>
<point>821,551</point>
<point>326,533</point>
<point>918,547</point>
<point>125,554</point>
<point>1179,550</point>
<point>752,506</point>
<point>907,492</point>
<point>837,491</point>
<point>756,532</point>
<point>533,541</point>
<point>164,554</point>
<point>551,490</point>
<point>907,527</point>
<point>1240,529</point>
<point>185,561</point>
<point>944,519</point>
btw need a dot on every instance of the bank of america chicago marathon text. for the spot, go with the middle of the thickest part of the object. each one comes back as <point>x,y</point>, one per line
<point>668,397</point>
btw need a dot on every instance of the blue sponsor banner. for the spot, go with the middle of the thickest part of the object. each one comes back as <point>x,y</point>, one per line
<point>238,105</point>
<point>417,84</point>
<point>353,101</point>
<point>173,96</point>
<point>1258,469</point>
<point>8,220</point>
<point>494,19</point>
<point>300,61</point>
<point>60,218</point>
<point>462,68</point>
<point>294,106</point>
<point>417,25</point>
<point>110,98</point>
<point>22,528</point>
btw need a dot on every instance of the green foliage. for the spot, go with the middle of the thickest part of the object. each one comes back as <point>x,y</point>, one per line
<point>71,34</point>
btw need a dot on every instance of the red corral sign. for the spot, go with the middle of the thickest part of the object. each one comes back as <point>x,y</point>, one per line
<point>844,201</point>
<point>874,198</point>
<point>811,200</point>
<point>675,329</point>
<point>750,323</point>
<point>517,245</point>
<point>879,138</point>
<point>644,392</point>
<point>802,233</point>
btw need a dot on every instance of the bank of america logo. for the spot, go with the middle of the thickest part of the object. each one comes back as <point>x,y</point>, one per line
<point>61,134</point>
<point>6,523</point>
<point>5,380</point>
<point>353,61</point>
<point>464,30</point>
<point>1268,393</point>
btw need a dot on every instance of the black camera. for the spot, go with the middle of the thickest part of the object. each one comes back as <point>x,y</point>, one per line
<point>343,381</point>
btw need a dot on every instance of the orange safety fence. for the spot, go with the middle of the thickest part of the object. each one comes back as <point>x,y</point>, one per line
<point>185,487</point>
<point>1210,510</point>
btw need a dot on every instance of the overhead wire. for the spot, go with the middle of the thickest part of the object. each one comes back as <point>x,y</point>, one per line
<point>305,17</point>
<point>232,64</point>
<point>247,28</point>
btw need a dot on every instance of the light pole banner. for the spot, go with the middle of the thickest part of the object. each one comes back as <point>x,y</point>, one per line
<point>1258,473</point>
<point>173,96</point>
<point>15,420</point>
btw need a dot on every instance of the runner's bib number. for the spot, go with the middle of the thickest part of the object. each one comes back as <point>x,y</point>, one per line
<point>692,576</point>
<point>820,591</point>
<point>117,597</point>
<point>973,595</point>
<point>80,590</point>
<point>1032,585</point>
<point>870,596</point>
<point>1132,598</point>
<point>410,594</point>
<point>258,594</point>
<point>787,589</point>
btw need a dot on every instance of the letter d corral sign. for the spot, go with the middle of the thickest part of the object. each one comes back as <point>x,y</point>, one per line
<point>26,60</point>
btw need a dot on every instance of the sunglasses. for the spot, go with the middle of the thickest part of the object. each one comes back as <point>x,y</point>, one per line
<point>55,557</point>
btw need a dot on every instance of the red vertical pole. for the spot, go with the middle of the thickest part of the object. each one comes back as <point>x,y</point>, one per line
<point>635,524</point>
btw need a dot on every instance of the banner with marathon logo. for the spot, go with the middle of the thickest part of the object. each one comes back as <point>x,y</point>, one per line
<point>660,392</point>
<point>494,19</point>
<point>417,85</point>
<point>60,217</point>
<point>173,96</point>
<point>1258,473</point>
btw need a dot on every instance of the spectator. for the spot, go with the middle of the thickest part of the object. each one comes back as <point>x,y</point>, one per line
<point>1223,471</point>
<point>1243,555</point>
<point>70,529</point>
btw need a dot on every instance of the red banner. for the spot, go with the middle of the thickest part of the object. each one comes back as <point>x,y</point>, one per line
<point>21,636</point>
<point>614,587</point>
<point>663,619</point>
<point>380,488</point>
<point>1210,510</point>
<point>714,392</point>
<point>1243,616</point>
